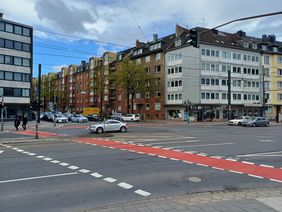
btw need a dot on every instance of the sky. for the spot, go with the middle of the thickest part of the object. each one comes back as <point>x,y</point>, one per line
<point>69,31</point>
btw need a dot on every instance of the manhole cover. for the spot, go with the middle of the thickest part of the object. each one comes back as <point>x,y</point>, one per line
<point>194,179</point>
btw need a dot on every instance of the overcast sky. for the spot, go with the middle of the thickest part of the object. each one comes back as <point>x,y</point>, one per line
<point>110,21</point>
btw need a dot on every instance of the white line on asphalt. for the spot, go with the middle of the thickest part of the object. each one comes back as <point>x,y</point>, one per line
<point>161,156</point>
<point>141,152</point>
<point>230,159</point>
<point>278,181</point>
<point>125,185</point>
<point>111,147</point>
<point>217,157</point>
<point>1,151</point>
<point>84,171</point>
<point>266,166</point>
<point>110,180</point>
<point>31,154</point>
<point>202,154</point>
<point>177,150</point>
<point>40,156</point>
<point>276,153</point>
<point>218,168</point>
<point>64,164</point>
<point>171,142</point>
<point>20,150</point>
<point>246,162</point>
<point>220,144</point>
<point>199,164</point>
<point>15,148</point>
<point>73,167</point>
<point>267,141</point>
<point>25,152</point>
<point>235,172</point>
<point>185,161</point>
<point>55,161</point>
<point>38,177</point>
<point>142,193</point>
<point>8,146</point>
<point>96,174</point>
<point>131,151</point>
<point>251,175</point>
<point>151,154</point>
<point>47,159</point>
<point>93,144</point>
<point>174,159</point>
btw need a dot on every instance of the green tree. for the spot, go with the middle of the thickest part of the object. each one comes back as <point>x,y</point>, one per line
<point>133,79</point>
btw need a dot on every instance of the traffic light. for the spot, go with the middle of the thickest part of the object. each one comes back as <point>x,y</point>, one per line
<point>194,38</point>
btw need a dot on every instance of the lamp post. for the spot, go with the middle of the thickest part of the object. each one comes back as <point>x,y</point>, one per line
<point>186,111</point>
<point>2,110</point>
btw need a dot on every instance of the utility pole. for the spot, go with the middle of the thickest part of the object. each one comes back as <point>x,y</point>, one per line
<point>229,94</point>
<point>38,102</point>
<point>263,93</point>
<point>2,110</point>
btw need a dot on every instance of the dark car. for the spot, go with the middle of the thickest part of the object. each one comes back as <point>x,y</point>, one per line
<point>256,122</point>
<point>94,117</point>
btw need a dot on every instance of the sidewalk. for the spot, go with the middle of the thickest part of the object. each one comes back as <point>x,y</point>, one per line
<point>251,200</point>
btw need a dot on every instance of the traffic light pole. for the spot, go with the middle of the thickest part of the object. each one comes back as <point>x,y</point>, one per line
<point>229,94</point>
<point>38,102</point>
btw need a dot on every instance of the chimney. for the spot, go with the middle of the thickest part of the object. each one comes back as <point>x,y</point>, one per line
<point>241,33</point>
<point>155,37</point>
<point>1,15</point>
<point>138,44</point>
<point>264,38</point>
<point>272,38</point>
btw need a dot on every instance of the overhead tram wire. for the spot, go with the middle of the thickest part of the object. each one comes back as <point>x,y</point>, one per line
<point>81,38</point>
<point>135,20</point>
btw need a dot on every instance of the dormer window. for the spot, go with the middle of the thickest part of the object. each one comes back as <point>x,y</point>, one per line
<point>274,49</point>
<point>264,47</point>
<point>246,45</point>
<point>137,51</point>
<point>178,42</point>
<point>254,46</point>
<point>155,46</point>
<point>120,57</point>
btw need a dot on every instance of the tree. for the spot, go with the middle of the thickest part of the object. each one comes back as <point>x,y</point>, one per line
<point>133,79</point>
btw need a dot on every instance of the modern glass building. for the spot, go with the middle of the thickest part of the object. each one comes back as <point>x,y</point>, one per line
<point>15,67</point>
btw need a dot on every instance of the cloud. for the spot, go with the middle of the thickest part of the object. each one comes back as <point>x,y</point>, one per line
<point>58,67</point>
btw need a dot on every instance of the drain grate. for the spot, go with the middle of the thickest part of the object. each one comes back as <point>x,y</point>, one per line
<point>231,188</point>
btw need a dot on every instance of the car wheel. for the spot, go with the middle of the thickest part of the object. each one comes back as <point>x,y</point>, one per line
<point>99,130</point>
<point>239,124</point>
<point>123,129</point>
<point>253,125</point>
<point>267,124</point>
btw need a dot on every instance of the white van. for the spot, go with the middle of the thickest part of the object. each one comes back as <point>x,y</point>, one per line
<point>131,117</point>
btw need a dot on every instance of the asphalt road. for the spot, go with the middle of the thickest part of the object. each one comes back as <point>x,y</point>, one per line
<point>72,173</point>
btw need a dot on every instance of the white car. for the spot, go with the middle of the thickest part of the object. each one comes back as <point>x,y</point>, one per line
<point>131,117</point>
<point>79,118</point>
<point>60,118</point>
<point>109,125</point>
<point>239,121</point>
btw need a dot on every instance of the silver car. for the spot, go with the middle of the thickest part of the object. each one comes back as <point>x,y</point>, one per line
<point>256,122</point>
<point>79,118</point>
<point>109,125</point>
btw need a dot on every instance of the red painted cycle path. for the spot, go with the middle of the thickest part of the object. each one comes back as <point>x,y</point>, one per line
<point>274,174</point>
<point>40,134</point>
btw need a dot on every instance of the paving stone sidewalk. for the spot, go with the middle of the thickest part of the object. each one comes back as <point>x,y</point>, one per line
<point>247,200</point>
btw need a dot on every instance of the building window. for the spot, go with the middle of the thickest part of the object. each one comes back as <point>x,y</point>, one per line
<point>9,28</point>
<point>158,94</point>
<point>203,95</point>
<point>223,96</point>
<point>279,84</point>
<point>158,56</point>
<point>147,95</point>
<point>279,96</point>
<point>2,26</point>
<point>9,44</point>
<point>266,60</point>
<point>147,59</point>
<point>1,75</point>
<point>279,60</point>
<point>147,106</point>
<point>157,69</point>
<point>26,32</point>
<point>177,42</point>
<point>26,47</point>
<point>17,61</point>
<point>17,76</point>
<point>26,62</point>
<point>17,92</point>
<point>8,75</point>
<point>8,60</point>
<point>18,30</point>
<point>1,91</point>
<point>279,72</point>
<point>157,106</point>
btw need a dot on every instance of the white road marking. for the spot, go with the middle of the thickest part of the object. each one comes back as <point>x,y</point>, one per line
<point>96,174</point>
<point>31,154</point>
<point>202,154</point>
<point>161,156</point>
<point>151,154</point>
<point>199,164</point>
<point>15,148</point>
<point>142,193</point>
<point>110,180</point>
<point>73,167</point>
<point>64,164</point>
<point>40,156</point>
<point>230,159</point>
<point>1,151</point>
<point>220,144</point>
<point>141,152</point>
<point>266,166</point>
<point>20,150</point>
<point>8,146</point>
<point>185,161</point>
<point>25,152</point>
<point>55,161</point>
<point>125,185</point>
<point>171,142</point>
<point>38,177</point>
<point>235,172</point>
<point>267,141</point>
<point>263,154</point>
<point>84,171</point>
<point>174,159</point>
<point>218,168</point>
<point>47,159</point>
<point>278,181</point>
<point>93,144</point>
<point>251,175</point>
<point>246,162</point>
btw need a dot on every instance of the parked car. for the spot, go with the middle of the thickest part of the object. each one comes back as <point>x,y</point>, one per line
<point>94,117</point>
<point>256,122</point>
<point>108,125</point>
<point>79,118</point>
<point>47,116</point>
<point>131,117</point>
<point>239,121</point>
<point>68,115</point>
<point>60,118</point>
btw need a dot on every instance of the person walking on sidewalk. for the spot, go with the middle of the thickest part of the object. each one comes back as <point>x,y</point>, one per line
<point>17,122</point>
<point>24,122</point>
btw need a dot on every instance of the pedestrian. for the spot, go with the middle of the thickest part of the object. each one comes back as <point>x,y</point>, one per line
<point>17,122</point>
<point>212,116</point>
<point>24,122</point>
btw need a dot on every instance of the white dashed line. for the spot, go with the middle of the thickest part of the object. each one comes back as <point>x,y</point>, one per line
<point>142,193</point>
<point>174,159</point>
<point>266,166</point>
<point>202,154</point>
<point>96,174</point>
<point>125,185</point>
<point>218,168</point>
<point>25,152</point>
<point>161,156</point>
<point>151,154</point>
<point>15,148</point>
<point>55,161</point>
<point>84,171</point>
<point>93,144</point>
<point>47,159</point>
<point>177,150</point>
<point>73,167</point>
<point>251,175</point>
<point>20,150</point>
<point>230,159</point>
<point>189,162</point>
<point>235,172</point>
<point>199,164</point>
<point>217,157</point>
<point>110,180</point>
<point>278,181</point>
<point>31,154</point>
<point>141,153</point>
<point>8,146</point>
<point>64,164</point>
<point>40,156</point>
<point>246,162</point>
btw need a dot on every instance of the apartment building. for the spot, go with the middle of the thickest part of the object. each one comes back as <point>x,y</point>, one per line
<point>199,76</point>
<point>15,67</point>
